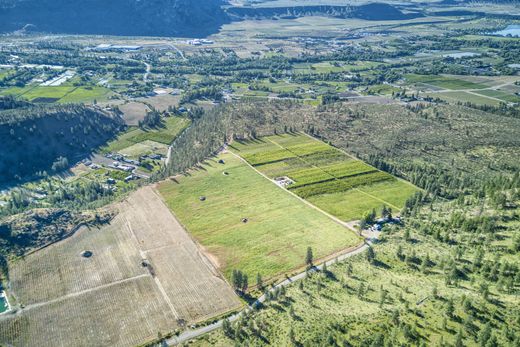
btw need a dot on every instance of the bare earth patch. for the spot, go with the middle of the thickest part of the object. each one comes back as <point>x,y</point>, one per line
<point>133,112</point>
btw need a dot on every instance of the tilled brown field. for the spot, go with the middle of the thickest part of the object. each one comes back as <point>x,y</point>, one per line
<point>111,299</point>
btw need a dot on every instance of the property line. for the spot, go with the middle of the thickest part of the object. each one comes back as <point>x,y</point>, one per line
<point>334,177</point>
<point>81,292</point>
<point>156,280</point>
<point>353,157</point>
<point>337,220</point>
<point>188,335</point>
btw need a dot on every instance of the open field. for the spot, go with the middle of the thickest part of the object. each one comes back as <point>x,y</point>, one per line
<point>62,94</point>
<point>144,148</point>
<point>86,94</point>
<point>165,135</point>
<point>133,112</point>
<point>446,82</point>
<point>110,298</point>
<point>162,102</point>
<point>279,226</point>
<point>461,96</point>
<point>506,97</point>
<point>330,179</point>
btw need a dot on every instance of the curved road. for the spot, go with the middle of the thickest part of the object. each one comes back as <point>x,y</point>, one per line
<point>194,333</point>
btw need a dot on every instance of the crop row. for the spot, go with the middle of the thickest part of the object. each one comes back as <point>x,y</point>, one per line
<point>349,168</point>
<point>340,185</point>
<point>309,148</point>
<point>268,157</point>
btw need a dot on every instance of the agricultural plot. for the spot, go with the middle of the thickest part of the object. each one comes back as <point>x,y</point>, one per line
<point>330,179</point>
<point>145,148</point>
<point>61,94</point>
<point>461,96</point>
<point>506,97</point>
<point>86,94</point>
<point>143,275</point>
<point>133,112</point>
<point>444,82</point>
<point>247,222</point>
<point>149,139</point>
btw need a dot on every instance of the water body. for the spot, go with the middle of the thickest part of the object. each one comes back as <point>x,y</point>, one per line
<point>511,30</point>
<point>4,305</point>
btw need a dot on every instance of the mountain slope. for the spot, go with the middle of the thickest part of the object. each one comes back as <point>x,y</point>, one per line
<point>41,138</point>
<point>188,18</point>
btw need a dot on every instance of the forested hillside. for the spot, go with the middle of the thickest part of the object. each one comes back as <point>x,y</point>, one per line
<point>117,17</point>
<point>447,150</point>
<point>373,11</point>
<point>38,139</point>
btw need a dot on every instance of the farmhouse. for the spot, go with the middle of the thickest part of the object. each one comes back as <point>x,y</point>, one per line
<point>283,181</point>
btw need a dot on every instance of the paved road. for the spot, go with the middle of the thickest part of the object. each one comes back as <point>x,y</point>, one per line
<point>147,73</point>
<point>177,50</point>
<point>190,334</point>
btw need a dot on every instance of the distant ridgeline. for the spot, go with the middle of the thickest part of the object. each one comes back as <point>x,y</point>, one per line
<point>188,18</point>
<point>37,139</point>
<point>374,11</point>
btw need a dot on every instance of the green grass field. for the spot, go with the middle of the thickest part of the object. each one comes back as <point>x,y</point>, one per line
<point>506,97</point>
<point>62,94</point>
<point>86,94</point>
<point>451,83</point>
<point>173,126</point>
<point>332,180</point>
<point>462,96</point>
<point>279,229</point>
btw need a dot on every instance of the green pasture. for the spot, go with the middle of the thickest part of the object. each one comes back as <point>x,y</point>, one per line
<point>451,83</point>
<point>164,135</point>
<point>506,97</point>
<point>279,227</point>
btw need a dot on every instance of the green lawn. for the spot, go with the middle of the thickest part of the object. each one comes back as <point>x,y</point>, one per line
<point>279,229</point>
<point>330,179</point>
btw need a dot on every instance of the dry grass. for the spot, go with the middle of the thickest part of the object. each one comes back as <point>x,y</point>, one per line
<point>110,299</point>
<point>133,112</point>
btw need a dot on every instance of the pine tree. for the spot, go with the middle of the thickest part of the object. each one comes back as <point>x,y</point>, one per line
<point>459,339</point>
<point>292,339</point>
<point>309,257</point>
<point>259,282</point>
<point>485,335</point>
<point>349,270</point>
<point>227,329</point>
<point>244,283</point>
<point>371,255</point>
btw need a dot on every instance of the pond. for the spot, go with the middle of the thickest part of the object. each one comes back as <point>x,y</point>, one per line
<point>511,30</point>
<point>4,304</point>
